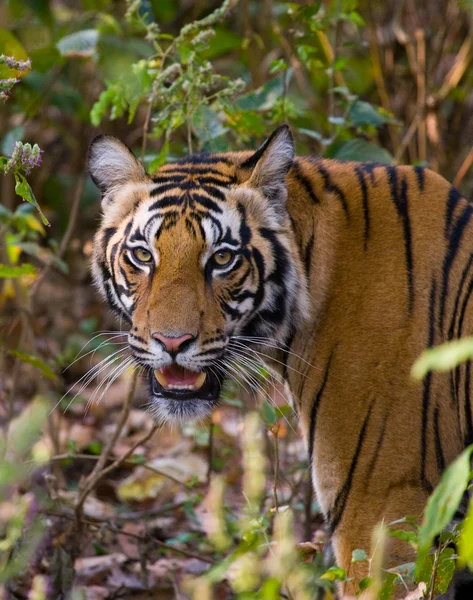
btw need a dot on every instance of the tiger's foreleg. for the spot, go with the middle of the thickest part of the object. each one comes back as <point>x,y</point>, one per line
<point>359,529</point>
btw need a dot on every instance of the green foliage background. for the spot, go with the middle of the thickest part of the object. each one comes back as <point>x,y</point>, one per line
<point>367,80</point>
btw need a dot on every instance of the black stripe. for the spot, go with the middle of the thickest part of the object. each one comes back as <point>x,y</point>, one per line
<point>369,168</point>
<point>463,309</point>
<point>420,174</point>
<point>453,198</point>
<point>366,208</point>
<point>308,254</point>
<point>202,159</point>
<point>303,181</point>
<point>427,385</point>
<point>438,443</point>
<point>107,235</point>
<point>139,339</point>
<point>285,358</point>
<point>177,174</point>
<point>162,189</point>
<point>376,452</point>
<point>401,203</point>
<point>208,202</point>
<point>450,255</point>
<point>336,513</point>
<point>404,212</point>
<point>457,372</point>
<point>332,187</point>
<point>458,296</point>
<point>314,410</point>
<point>213,180</point>
<point>245,231</point>
<point>468,415</point>
<point>217,351</point>
<point>166,202</point>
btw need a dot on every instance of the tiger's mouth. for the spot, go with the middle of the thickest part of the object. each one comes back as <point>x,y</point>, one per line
<point>177,383</point>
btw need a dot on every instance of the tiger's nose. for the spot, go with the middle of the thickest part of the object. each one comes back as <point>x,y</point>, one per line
<point>173,343</point>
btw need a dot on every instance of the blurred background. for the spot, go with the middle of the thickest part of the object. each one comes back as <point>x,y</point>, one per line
<point>389,82</point>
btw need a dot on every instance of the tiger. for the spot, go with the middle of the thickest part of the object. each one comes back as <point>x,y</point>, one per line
<point>341,273</point>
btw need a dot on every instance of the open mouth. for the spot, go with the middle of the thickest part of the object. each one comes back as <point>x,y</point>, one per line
<point>178,383</point>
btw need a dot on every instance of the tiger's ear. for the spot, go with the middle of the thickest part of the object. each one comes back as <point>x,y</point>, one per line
<point>112,164</point>
<point>270,164</point>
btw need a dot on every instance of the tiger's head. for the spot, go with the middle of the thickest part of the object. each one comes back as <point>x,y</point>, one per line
<point>200,260</point>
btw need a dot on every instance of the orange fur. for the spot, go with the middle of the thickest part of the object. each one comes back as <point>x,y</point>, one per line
<point>384,254</point>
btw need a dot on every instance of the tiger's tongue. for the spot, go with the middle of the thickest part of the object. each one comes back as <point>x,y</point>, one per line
<point>175,376</point>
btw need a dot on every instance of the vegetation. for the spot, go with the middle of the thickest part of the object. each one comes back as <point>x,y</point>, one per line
<point>95,502</point>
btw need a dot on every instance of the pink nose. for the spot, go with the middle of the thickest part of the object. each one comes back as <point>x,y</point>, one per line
<point>173,343</point>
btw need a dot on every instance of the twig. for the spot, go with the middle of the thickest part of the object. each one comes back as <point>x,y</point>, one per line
<point>66,237</point>
<point>380,83</point>
<point>407,137</point>
<point>125,516</point>
<point>148,119</point>
<point>147,538</point>
<point>302,80</point>
<point>100,470</point>
<point>452,79</point>
<point>308,511</point>
<point>421,95</point>
<point>127,463</point>
<point>434,574</point>
<point>463,170</point>
<point>210,452</point>
<point>23,308</point>
<point>275,432</point>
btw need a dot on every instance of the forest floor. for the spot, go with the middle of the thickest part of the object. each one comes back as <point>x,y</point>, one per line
<point>125,502</point>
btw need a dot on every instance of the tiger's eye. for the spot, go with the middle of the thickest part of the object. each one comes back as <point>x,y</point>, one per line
<point>223,257</point>
<point>142,255</point>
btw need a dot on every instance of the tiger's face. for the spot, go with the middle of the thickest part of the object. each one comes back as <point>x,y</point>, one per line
<point>200,260</point>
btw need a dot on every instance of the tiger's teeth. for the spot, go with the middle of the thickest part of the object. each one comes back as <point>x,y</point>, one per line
<point>161,378</point>
<point>199,382</point>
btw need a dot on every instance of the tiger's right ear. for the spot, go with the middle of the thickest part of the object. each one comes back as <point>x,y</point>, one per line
<point>112,164</point>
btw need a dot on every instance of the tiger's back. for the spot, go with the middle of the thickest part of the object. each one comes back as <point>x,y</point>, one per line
<point>353,268</point>
<point>393,248</point>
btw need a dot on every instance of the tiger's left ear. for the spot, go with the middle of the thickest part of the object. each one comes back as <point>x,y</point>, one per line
<point>271,163</point>
<point>112,164</point>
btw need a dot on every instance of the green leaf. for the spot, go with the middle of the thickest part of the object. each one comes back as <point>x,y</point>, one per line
<point>9,272</point>
<point>363,113</point>
<point>334,574</point>
<point>465,540</point>
<point>443,358</point>
<point>312,134</point>
<point>404,535</point>
<point>443,503</point>
<point>44,59</point>
<point>10,46</point>
<point>35,362</point>
<point>95,447</point>
<point>264,98</point>
<point>387,589</point>
<point>365,583</point>
<point>276,66</point>
<point>207,124</point>
<point>269,413</point>
<point>361,150</point>
<point>445,571</point>
<point>79,44</point>
<point>22,188</point>
<point>358,555</point>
